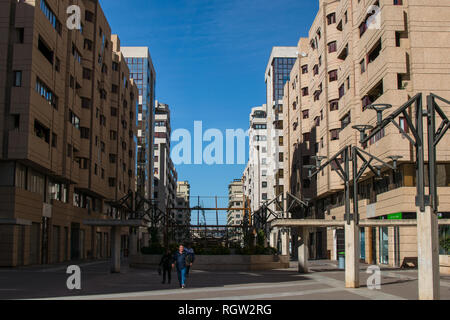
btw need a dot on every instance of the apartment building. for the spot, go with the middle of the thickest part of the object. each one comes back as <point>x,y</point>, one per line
<point>277,74</point>
<point>143,73</point>
<point>66,134</point>
<point>165,174</point>
<point>184,198</point>
<point>359,53</point>
<point>255,177</point>
<point>235,217</point>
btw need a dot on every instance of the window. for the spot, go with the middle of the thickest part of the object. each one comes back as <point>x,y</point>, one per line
<point>87,73</point>
<point>46,93</point>
<point>304,69</point>
<point>375,52</point>
<point>333,75</point>
<point>54,140</point>
<point>264,184</point>
<point>305,91</point>
<point>341,91</point>
<point>88,44</point>
<point>372,95</point>
<point>380,135</point>
<point>112,182</point>
<point>334,105</point>
<point>306,137</point>
<point>76,54</point>
<point>89,16</point>
<point>17,78</point>
<point>332,47</point>
<point>69,150</point>
<point>331,18</point>
<point>345,121</point>
<point>113,112</point>
<point>403,124</point>
<point>85,103</point>
<point>316,69</point>
<point>343,55</point>
<point>363,65</point>
<point>20,35</point>
<point>45,50</point>
<point>305,114</point>
<point>84,133</point>
<point>115,66</point>
<point>57,65</point>
<point>74,119</point>
<point>280,141</point>
<point>334,134</point>
<point>112,158</point>
<point>317,121</point>
<point>50,16</point>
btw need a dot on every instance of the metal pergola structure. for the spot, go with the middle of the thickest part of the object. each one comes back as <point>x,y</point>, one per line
<point>427,204</point>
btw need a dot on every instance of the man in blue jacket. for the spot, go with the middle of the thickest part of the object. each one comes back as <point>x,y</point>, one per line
<point>190,258</point>
<point>180,261</point>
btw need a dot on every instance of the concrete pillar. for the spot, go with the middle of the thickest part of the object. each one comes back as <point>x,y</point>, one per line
<point>133,242</point>
<point>428,254</point>
<point>115,249</point>
<point>285,243</point>
<point>352,254</point>
<point>303,254</point>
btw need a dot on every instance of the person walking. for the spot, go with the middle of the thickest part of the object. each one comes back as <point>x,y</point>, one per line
<point>180,261</point>
<point>190,259</point>
<point>166,264</point>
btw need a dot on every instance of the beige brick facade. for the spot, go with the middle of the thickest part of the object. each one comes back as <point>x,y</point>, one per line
<point>67,128</point>
<point>344,66</point>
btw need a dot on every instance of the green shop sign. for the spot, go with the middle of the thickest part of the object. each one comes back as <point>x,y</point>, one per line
<point>395,216</point>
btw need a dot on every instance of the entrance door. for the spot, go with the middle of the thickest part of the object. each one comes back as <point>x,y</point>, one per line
<point>374,245</point>
<point>384,245</point>
<point>319,244</point>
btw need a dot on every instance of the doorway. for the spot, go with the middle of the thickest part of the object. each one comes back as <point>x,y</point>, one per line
<point>362,241</point>
<point>384,245</point>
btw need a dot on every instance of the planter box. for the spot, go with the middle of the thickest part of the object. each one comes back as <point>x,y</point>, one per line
<point>220,263</point>
<point>444,265</point>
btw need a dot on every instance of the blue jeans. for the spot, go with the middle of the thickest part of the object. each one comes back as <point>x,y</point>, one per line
<point>181,276</point>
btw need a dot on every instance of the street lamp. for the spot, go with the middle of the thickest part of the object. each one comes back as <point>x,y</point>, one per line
<point>362,128</point>
<point>318,159</point>
<point>395,160</point>
<point>379,108</point>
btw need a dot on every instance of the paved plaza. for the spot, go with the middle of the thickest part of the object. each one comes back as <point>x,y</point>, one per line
<point>325,282</point>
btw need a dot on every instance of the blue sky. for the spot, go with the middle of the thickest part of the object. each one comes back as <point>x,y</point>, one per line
<point>210,57</point>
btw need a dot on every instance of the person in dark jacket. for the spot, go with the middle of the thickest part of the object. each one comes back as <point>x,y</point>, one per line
<point>179,260</point>
<point>165,265</point>
<point>190,259</point>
